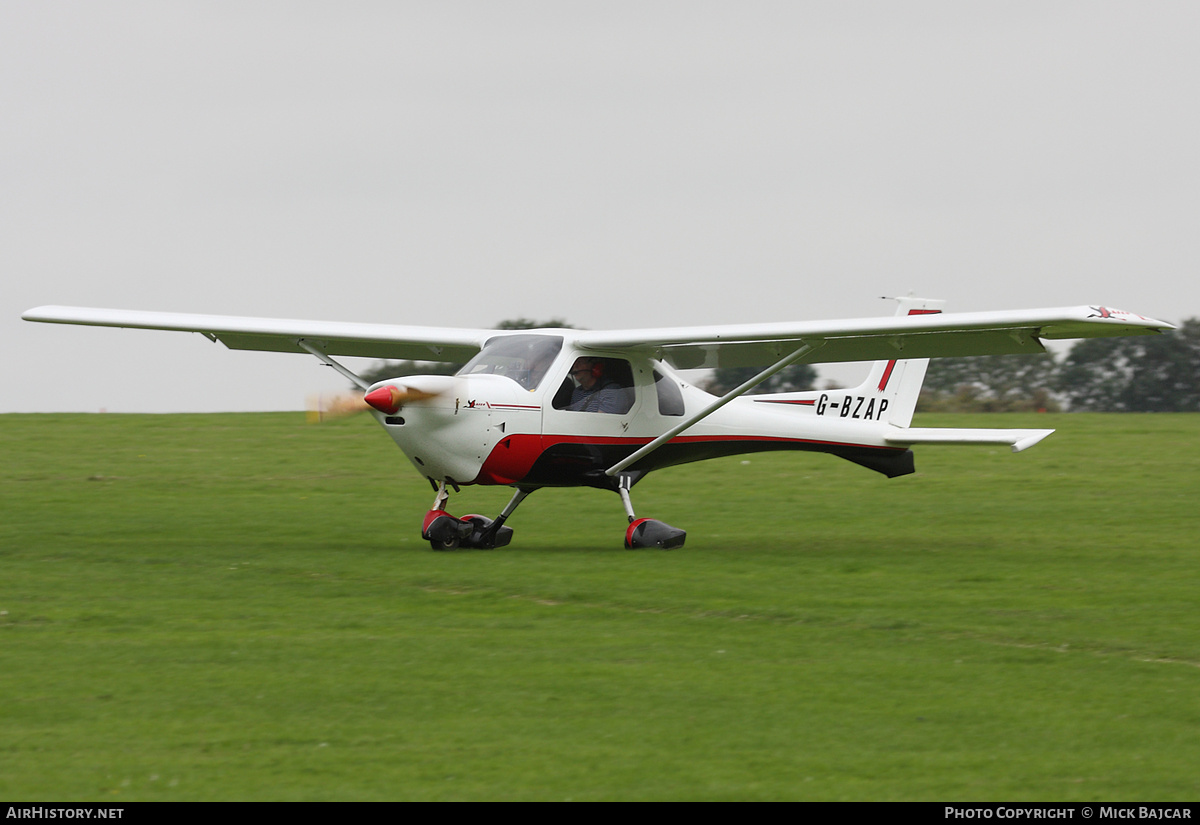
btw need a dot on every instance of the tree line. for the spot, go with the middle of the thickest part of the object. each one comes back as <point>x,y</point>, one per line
<point>1141,373</point>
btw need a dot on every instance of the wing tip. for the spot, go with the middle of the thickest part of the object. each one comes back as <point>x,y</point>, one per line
<point>1029,440</point>
<point>41,313</point>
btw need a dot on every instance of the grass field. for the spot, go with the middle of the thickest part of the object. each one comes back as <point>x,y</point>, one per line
<point>204,607</point>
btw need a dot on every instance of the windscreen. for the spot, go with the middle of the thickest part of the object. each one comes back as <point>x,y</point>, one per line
<point>523,358</point>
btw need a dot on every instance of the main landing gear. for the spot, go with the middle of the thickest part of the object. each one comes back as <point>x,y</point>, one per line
<point>446,532</point>
<point>647,532</point>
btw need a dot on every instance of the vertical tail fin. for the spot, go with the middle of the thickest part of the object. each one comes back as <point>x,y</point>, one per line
<point>892,387</point>
<point>888,395</point>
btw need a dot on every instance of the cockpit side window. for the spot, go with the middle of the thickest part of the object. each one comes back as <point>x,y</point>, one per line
<point>670,398</point>
<point>603,385</point>
<point>523,358</point>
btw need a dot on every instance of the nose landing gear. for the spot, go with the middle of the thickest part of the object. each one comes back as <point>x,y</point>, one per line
<point>445,532</point>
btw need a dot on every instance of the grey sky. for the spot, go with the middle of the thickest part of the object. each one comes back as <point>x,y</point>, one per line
<point>615,164</point>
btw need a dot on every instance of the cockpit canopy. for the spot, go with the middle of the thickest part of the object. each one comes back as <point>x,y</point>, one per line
<point>523,358</point>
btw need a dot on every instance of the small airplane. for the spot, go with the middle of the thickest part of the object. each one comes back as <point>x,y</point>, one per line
<point>566,407</point>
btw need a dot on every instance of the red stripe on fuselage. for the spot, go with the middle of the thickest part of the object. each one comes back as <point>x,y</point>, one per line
<point>514,456</point>
<point>511,459</point>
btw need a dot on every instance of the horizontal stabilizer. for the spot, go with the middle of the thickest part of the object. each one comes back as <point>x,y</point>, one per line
<point>1017,439</point>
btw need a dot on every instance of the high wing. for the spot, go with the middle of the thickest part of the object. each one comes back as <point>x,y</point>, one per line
<point>280,335</point>
<point>866,339</point>
<point>874,339</point>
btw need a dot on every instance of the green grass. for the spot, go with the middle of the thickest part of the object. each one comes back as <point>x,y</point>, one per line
<point>240,607</point>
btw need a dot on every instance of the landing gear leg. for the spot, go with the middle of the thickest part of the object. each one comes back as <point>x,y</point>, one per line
<point>494,533</point>
<point>646,532</point>
<point>442,530</point>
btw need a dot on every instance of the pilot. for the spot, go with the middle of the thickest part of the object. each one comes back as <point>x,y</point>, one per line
<point>596,392</point>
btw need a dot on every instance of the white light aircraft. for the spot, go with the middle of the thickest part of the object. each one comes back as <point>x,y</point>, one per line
<point>565,407</point>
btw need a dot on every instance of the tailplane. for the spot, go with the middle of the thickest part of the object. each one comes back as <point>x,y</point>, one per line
<point>1017,440</point>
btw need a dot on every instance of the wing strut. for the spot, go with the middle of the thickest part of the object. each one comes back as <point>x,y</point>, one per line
<point>329,362</point>
<point>786,361</point>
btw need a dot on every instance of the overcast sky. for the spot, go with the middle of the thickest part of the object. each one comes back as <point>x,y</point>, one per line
<point>615,164</point>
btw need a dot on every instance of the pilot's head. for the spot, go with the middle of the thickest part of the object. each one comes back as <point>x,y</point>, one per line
<point>587,371</point>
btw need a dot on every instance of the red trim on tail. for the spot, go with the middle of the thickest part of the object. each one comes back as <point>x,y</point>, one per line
<point>887,374</point>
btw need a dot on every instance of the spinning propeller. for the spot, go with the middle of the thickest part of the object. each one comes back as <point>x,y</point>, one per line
<point>387,399</point>
<point>331,407</point>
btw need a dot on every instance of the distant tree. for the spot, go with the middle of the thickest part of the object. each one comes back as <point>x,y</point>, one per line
<point>990,383</point>
<point>398,369</point>
<point>1141,373</point>
<point>525,323</point>
<point>796,378</point>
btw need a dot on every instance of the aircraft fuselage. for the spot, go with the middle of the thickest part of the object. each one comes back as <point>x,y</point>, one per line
<point>489,429</point>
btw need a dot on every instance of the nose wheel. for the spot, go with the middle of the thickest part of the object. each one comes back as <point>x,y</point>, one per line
<point>446,532</point>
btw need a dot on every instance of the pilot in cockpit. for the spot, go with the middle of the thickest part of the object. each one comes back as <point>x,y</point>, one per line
<point>596,390</point>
